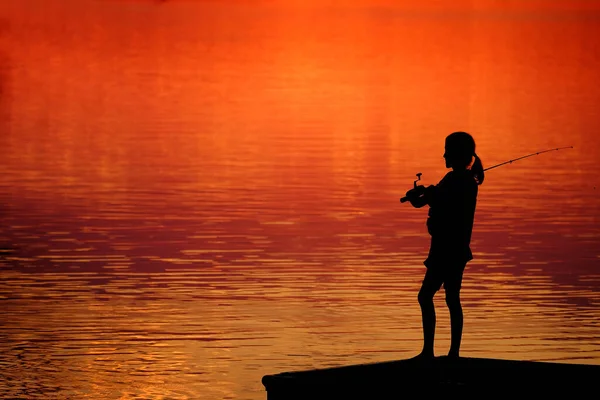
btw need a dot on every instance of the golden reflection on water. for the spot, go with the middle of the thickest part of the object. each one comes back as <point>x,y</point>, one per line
<point>189,206</point>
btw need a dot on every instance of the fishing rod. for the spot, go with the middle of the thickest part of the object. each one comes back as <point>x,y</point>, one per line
<point>528,155</point>
<point>404,199</point>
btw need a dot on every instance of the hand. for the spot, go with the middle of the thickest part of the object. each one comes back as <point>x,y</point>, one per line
<point>419,190</point>
<point>416,192</point>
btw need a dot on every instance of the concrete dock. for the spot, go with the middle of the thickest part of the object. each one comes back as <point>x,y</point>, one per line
<point>428,377</point>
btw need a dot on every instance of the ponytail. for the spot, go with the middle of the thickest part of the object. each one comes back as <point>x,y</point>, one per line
<point>477,169</point>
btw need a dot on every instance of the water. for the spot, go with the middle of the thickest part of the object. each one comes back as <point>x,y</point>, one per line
<point>195,195</point>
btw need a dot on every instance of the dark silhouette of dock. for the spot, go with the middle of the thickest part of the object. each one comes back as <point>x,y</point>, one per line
<point>424,378</point>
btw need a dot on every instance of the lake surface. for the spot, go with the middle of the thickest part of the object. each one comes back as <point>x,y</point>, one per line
<point>194,195</point>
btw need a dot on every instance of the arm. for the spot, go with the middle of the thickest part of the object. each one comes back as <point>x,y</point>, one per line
<point>420,196</point>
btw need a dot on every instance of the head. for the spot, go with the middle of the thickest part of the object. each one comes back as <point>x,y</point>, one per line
<point>459,152</point>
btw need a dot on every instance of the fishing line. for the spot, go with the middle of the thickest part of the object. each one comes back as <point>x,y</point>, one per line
<point>528,155</point>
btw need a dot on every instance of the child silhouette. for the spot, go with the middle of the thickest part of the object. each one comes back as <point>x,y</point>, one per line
<point>450,223</point>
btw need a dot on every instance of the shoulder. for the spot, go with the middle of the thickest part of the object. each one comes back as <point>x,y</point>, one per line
<point>462,180</point>
<point>470,183</point>
<point>466,177</point>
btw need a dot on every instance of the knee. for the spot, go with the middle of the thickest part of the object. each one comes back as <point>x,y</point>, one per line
<point>425,298</point>
<point>453,300</point>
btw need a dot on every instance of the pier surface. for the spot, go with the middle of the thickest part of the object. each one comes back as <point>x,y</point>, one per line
<point>427,377</point>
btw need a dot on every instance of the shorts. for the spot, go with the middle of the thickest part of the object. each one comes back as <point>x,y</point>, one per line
<point>450,277</point>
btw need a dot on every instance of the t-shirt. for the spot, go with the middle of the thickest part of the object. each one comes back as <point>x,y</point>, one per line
<point>450,223</point>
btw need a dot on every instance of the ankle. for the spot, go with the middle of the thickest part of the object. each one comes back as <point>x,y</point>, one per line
<point>453,354</point>
<point>427,353</point>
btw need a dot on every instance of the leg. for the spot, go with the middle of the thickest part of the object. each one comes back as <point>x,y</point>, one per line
<point>456,321</point>
<point>430,286</point>
<point>452,286</point>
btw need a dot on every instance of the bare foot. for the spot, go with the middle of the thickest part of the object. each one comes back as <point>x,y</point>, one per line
<point>425,355</point>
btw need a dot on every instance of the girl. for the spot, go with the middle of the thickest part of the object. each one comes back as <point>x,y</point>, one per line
<point>450,223</point>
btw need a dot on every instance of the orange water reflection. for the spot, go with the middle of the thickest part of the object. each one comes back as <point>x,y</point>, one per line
<point>196,195</point>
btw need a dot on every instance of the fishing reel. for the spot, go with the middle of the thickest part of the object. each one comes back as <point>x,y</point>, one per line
<point>413,190</point>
